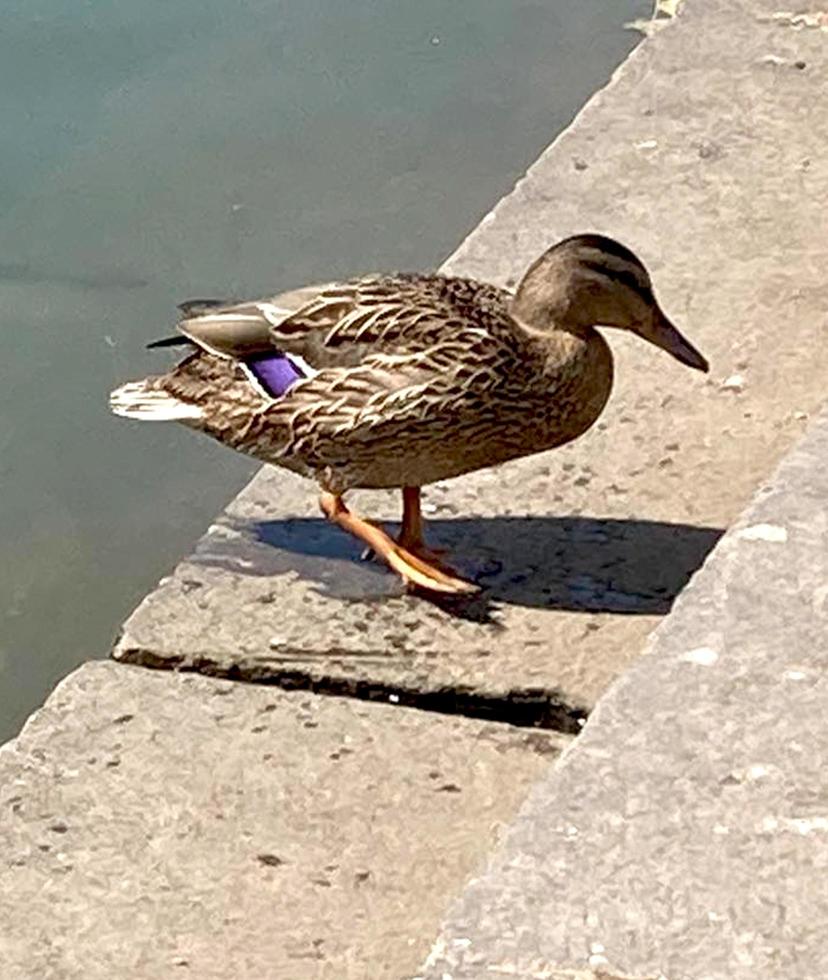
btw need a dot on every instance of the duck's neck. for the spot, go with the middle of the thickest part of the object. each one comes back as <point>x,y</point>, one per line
<point>560,340</point>
<point>545,307</point>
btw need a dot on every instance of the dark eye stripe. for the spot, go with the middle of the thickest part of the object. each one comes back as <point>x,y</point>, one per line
<point>625,276</point>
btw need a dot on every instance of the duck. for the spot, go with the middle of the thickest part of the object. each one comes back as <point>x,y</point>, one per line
<point>400,380</point>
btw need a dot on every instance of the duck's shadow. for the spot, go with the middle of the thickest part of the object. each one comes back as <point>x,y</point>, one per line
<point>572,563</point>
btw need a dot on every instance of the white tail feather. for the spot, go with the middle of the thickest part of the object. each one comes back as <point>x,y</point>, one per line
<point>135,400</point>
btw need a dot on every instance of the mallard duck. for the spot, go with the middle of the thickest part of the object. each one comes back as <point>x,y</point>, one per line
<point>401,380</point>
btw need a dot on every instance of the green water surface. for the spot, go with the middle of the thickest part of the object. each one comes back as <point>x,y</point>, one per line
<point>155,150</point>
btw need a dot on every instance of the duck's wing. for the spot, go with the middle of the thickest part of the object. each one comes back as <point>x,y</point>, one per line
<point>398,402</point>
<point>340,324</point>
<point>347,322</point>
<point>366,344</point>
<point>402,364</point>
<point>236,329</point>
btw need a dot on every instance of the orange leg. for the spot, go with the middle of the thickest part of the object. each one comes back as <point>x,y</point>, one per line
<point>415,569</point>
<point>411,535</point>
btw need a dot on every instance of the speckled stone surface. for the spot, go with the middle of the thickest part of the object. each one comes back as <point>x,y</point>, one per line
<point>290,598</point>
<point>705,154</point>
<point>685,835</point>
<point>157,826</point>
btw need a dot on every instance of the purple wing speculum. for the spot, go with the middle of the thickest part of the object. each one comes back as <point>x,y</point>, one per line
<point>276,373</point>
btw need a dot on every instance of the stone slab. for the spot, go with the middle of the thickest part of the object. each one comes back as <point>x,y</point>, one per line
<point>289,599</point>
<point>685,835</point>
<point>157,826</point>
<point>705,154</point>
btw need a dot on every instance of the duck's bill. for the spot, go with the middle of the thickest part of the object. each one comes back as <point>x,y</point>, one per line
<point>664,335</point>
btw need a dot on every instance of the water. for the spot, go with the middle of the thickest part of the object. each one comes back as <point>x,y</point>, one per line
<point>156,151</point>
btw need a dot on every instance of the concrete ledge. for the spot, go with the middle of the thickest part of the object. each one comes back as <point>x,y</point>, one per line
<point>288,601</point>
<point>159,825</point>
<point>685,834</point>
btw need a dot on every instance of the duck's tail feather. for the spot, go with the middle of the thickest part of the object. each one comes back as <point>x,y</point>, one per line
<point>179,340</point>
<point>139,400</point>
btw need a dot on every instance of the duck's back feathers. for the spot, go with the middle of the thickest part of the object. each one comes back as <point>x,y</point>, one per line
<point>341,324</point>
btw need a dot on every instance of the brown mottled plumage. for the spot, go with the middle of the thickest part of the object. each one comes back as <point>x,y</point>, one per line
<point>412,378</point>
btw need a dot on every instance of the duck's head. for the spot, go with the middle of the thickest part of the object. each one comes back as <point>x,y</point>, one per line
<point>590,280</point>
